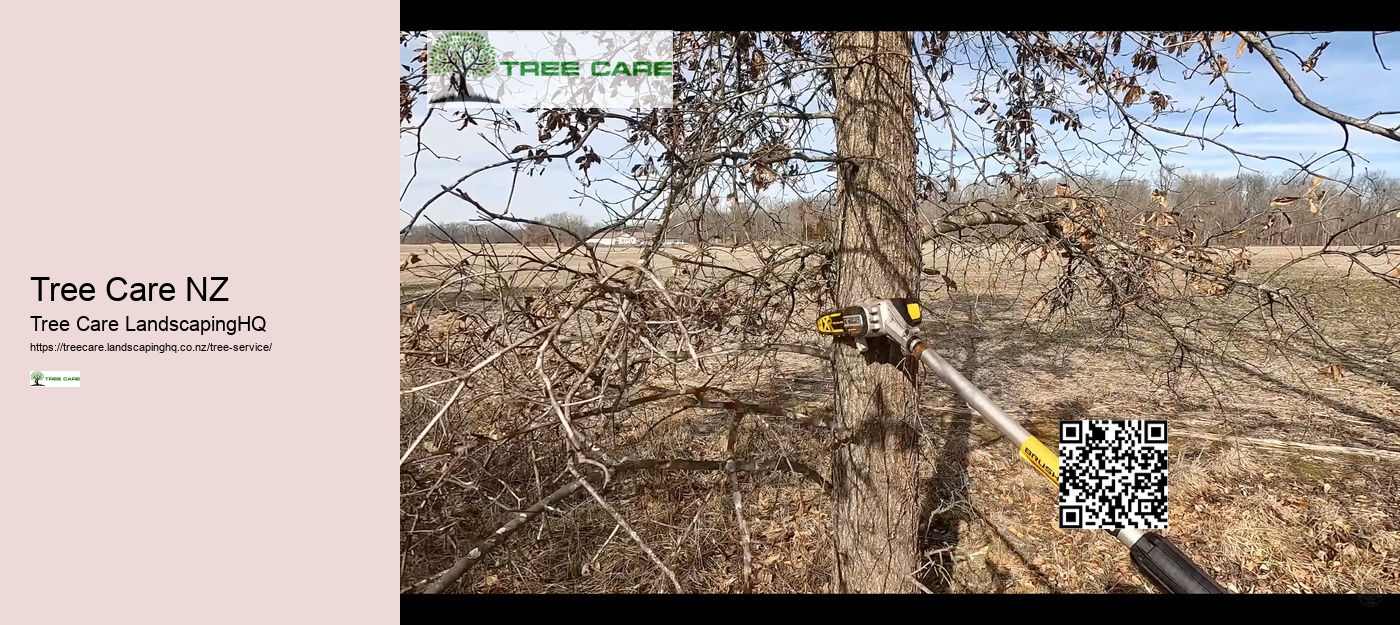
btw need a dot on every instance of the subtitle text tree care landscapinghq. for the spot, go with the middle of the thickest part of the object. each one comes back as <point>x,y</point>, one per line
<point>141,294</point>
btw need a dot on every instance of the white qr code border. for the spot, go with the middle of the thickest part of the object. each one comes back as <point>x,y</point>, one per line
<point>1113,474</point>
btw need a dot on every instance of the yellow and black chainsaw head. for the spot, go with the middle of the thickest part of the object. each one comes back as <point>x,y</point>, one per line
<point>830,323</point>
<point>855,320</point>
<point>850,321</point>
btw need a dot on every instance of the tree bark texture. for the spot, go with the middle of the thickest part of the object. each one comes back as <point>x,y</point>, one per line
<point>875,472</point>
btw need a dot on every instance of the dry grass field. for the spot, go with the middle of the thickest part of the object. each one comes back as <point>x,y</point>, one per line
<point>1284,471</point>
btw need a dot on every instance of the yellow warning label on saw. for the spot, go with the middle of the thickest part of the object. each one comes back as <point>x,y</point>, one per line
<point>826,323</point>
<point>1040,457</point>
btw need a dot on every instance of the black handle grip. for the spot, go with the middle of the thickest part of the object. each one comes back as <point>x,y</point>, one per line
<point>1160,560</point>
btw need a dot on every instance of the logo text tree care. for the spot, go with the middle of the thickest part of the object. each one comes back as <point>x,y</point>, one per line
<point>596,68</point>
<point>551,69</point>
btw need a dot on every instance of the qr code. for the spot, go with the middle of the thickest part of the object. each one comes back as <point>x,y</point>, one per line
<point>1113,474</point>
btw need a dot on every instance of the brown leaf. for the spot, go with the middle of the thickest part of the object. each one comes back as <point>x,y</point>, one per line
<point>1285,199</point>
<point>1312,205</point>
<point>1239,52</point>
<point>1207,287</point>
<point>776,533</point>
<point>1133,94</point>
<point>1221,67</point>
<point>1160,196</point>
<point>1310,63</point>
<point>1333,371</point>
<point>1316,182</point>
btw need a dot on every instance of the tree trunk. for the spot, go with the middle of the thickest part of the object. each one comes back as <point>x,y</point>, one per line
<point>878,255</point>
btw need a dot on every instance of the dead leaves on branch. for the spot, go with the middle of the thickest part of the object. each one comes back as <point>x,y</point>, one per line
<point>407,96</point>
<point>1314,195</point>
<point>1160,219</point>
<point>1160,197</point>
<point>760,168</point>
<point>572,122</point>
<point>1310,63</point>
<point>1206,286</point>
<point>1221,66</point>
<point>1123,270</point>
<point>758,65</point>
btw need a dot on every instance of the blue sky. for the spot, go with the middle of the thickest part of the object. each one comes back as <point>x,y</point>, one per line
<point>1355,84</point>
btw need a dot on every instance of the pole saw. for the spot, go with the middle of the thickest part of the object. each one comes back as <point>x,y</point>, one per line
<point>898,320</point>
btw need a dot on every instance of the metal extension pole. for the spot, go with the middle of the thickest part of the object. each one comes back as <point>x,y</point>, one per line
<point>1153,554</point>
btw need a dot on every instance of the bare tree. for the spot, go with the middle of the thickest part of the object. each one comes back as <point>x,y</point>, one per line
<point>878,255</point>
<point>576,226</point>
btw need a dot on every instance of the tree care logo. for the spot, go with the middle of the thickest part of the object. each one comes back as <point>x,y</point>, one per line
<point>549,69</point>
<point>462,59</point>
<point>54,379</point>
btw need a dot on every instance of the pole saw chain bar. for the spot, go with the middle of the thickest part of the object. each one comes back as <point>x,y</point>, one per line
<point>898,319</point>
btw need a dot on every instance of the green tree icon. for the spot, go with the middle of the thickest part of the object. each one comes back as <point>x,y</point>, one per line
<point>461,55</point>
<point>36,376</point>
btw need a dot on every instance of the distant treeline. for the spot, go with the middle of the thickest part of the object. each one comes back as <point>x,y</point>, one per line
<point>1252,209</point>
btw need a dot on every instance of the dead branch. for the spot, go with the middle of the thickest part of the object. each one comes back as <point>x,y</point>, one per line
<point>1302,98</point>
<point>489,544</point>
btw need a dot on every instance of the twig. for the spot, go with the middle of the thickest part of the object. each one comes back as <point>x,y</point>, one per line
<point>919,585</point>
<point>731,446</point>
<point>488,544</point>
<point>601,548</point>
<point>630,532</point>
<point>743,527</point>
<point>432,422</point>
<point>752,466</point>
<point>481,365</point>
